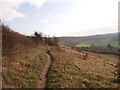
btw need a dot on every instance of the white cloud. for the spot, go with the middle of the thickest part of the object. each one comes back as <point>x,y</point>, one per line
<point>8,8</point>
<point>8,11</point>
<point>55,16</point>
<point>44,21</point>
<point>37,3</point>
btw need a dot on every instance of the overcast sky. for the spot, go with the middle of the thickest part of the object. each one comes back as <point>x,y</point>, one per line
<point>61,17</point>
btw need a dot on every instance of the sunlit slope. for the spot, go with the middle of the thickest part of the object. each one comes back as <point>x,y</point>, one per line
<point>70,70</point>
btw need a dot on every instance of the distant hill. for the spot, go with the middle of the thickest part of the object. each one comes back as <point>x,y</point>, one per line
<point>87,41</point>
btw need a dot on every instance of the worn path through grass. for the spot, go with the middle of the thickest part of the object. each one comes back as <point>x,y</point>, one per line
<point>42,82</point>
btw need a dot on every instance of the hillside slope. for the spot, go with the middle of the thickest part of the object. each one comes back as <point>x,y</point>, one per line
<point>86,41</point>
<point>70,69</point>
<point>22,60</point>
<point>24,57</point>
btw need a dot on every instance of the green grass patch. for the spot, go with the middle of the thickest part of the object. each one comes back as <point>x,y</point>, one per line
<point>104,42</point>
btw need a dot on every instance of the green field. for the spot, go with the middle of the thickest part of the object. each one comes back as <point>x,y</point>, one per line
<point>104,42</point>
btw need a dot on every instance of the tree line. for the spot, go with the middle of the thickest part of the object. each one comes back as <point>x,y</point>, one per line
<point>39,38</point>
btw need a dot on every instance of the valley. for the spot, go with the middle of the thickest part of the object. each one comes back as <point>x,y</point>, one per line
<point>26,64</point>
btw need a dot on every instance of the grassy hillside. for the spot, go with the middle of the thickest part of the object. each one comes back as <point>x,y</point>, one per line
<point>70,70</point>
<point>87,41</point>
<point>103,42</point>
<point>23,69</point>
<point>23,58</point>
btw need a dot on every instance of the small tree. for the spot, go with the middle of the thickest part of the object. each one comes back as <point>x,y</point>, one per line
<point>109,46</point>
<point>38,37</point>
<point>38,34</point>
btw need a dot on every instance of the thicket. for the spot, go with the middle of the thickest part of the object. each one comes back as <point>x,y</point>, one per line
<point>23,57</point>
<point>11,39</point>
<point>39,38</point>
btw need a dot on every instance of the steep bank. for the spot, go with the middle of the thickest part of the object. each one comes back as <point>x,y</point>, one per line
<point>22,59</point>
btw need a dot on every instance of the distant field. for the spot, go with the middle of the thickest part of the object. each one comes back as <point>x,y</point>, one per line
<point>98,43</point>
<point>87,41</point>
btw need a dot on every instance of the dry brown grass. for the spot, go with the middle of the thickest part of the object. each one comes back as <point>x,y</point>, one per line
<point>23,69</point>
<point>70,70</point>
<point>22,60</point>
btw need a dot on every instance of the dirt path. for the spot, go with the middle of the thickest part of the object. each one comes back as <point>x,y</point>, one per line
<point>42,81</point>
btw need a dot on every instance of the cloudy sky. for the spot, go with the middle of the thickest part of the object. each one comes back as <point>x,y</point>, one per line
<point>61,17</point>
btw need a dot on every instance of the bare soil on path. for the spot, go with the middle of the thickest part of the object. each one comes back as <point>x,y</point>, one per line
<point>42,82</point>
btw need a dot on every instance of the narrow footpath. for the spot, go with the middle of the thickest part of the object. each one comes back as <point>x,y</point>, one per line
<point>42,82</point>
